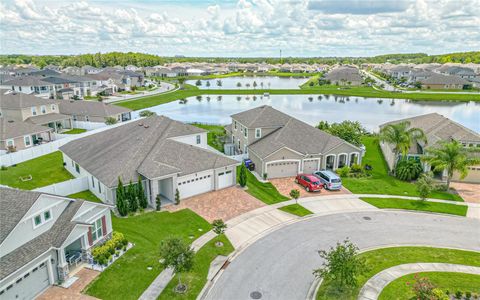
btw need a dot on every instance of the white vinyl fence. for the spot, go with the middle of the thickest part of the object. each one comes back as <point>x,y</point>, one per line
<point>88,125</point>
<point>66,188</point>
<point>43,149</point>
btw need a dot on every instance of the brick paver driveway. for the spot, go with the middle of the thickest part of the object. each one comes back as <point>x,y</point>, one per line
<point>85,276</point>
<point>224,204</point>
<point>285,185</point>
<point>470,192</point>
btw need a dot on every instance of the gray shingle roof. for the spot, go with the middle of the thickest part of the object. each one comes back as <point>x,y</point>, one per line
<point>90,108</point>
<point>27,81</point>
<point>11,129</point>
<point>344,73</point>
<point>125,150</point>
<point>439,128</point>
<point>262,117</point>
<point>14,100</point>
<point>14,204</point>
<point>39,245</point>
<point>47,118</point>
<point>443,79</point>
<point>298,136</point>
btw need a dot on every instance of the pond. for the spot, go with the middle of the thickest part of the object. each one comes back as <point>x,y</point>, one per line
<point>247,82</point>
<point>311,109</point>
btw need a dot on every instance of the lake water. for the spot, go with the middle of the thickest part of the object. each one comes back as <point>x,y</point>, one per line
<point>263,82</point>
<point>371,112</point>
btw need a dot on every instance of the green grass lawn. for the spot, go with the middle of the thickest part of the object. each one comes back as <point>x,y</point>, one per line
<point>296,209</point>
<point>128,277</point>
<point>381,259</point>
<point>197,278</point>
<point>382,183</point>
<point>215,135</point>
<point>446,281</point>
<point>75,131</point>
<point>85,195</point>
<point>265,192</point>
<point>444,208</point>
<point>45,170</point>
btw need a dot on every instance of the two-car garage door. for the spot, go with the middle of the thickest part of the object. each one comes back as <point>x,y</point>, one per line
<point>28,286</point>
<point>195,185</point>
<point>282,169</point>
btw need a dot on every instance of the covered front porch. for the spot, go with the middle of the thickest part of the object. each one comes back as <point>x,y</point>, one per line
<point>72,257</point>
<point>163,188</point>
<point>58,122</point>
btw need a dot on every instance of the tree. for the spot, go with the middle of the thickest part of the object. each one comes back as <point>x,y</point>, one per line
<point>242,177</point>
<point>450,156</point>
<point>239,84</point>
<point>323,125</point>
<point>219,226</point>
<point>295,194</point>
<point>408,169</point>
<point>342,265</point>
<point>122,206</point>
<point>132,198</point>
<point>424,185</point>
<point>219,83</point>
<point>179,256</point>
<point>423,288</point>
<point>177,197</point>
<point>181,81</point>
<point>158,202</point>
<point>401,137</point>
<point>198,83</point>
<point>110,120</point>
<point>350,131</point>
<point>142,198</point>
<point>208,84</point>
<point>147,113</point>
<point>254,84</point>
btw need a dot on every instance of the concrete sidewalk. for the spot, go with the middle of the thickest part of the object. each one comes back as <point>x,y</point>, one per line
<point>374,286</point>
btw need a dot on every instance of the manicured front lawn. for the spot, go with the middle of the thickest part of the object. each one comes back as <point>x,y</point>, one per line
<point>381,259</point>
<point>445,208</point>
<point>197,278</point>
<point>44,170</point>
<point>263,191</point>
<point>296,209</point>
<point>85,195</point>
<point>446,281</point>
<point>75,131</point>
<point>215,135</point>
<point>382,183</point>
<point>128,277</point>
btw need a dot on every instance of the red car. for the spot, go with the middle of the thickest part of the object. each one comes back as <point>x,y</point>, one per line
<point>309,182</point>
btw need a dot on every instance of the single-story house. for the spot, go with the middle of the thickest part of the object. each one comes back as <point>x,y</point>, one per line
<point>44,238</point>
<point>282,146</point>
<point>437,128</point>
<point>17,135</point>
<point>438,81</point>
<point>344,75</point>
<point>91,111</point>
<point>165,154</point>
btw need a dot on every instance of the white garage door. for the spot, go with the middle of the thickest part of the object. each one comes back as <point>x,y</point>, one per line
<point>310,166</point>
<point>194,186</point>
<point>282,169</point>
<point>28,286</point>
<point>225,179</point>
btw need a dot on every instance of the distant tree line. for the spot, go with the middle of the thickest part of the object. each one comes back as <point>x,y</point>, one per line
<point>143,60</point>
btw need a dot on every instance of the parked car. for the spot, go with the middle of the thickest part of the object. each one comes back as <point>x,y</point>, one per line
<point>330,180</point>
<point>309,182</point>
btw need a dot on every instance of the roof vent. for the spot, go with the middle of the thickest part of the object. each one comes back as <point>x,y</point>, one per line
<point>140,124</point>
<point>146,126</point>
<point>10,121</point>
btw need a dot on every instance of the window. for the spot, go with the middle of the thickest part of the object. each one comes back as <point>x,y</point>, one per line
<point>86,118</point>
<point>93,182</point>
<point>245,150</point>
<point>258,133</point>
<point>77,168</point>
<point>10,143</point>
<point>43,109</point>
<point>235,125</point>
<point>47,215</point>
<point>53,106</point>
<point>27,140</point>
<point>99,187</point>
<point>42,218</point>
<point>245,131</point>
<point>198,139</point>
<point>74,117</point>
<point>37,220</point>
<point>97,230</point>
<point>34,111</point>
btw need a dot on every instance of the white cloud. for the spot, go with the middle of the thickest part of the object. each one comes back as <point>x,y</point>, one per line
<point>248,28</point>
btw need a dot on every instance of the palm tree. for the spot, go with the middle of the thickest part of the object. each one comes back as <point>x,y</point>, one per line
<point>450,156</point>
<point>401,137</point>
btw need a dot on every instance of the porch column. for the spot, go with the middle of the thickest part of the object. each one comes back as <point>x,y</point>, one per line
<point>51,279</point>
<point>155,190</point>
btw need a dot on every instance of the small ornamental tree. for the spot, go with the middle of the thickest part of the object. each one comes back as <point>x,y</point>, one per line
<point>423,288</point>
<point>121,203</point>
<point>158,203</point>
<point>132,198</point>
<point>177,197</point>
<point>425,185</point>
<point>142,198</point>
<point>242,177</point>
<point>110,120</point>
<point>219,226</point>
<point>295,194</point>
<point>198,83</point>
<point>342,265</point>
<point>179,256</point>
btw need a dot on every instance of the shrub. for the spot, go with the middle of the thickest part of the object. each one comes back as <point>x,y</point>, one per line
<point>468,295</point>
<point>356,168</point>
<point>242,178</point>
<point>219,226</point>
<point>177,197</point>
<point>408,169</point>
<point>438,294</point>
<point>424,185</point>
<point>158,201</point>
<point>458,295</point>
<point>147,113</point>
<point>102,254</point>
<point>3,168</point>
<point>110,120</point>
<point>422,288</point>
<point>344,171</point>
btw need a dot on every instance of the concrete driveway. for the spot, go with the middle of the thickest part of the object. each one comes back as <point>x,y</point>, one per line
<point>280,265</point>
<point>223,204</point>
<point>470,192</point>
<point>286,184</point>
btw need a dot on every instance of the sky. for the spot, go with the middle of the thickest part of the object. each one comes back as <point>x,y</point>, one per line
<point>246,28</point>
